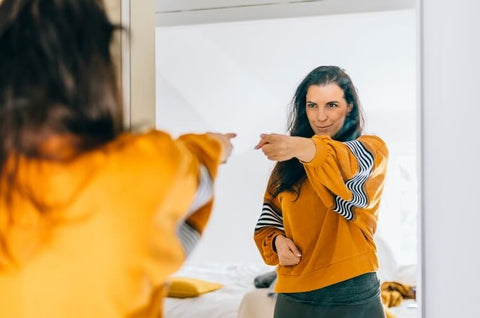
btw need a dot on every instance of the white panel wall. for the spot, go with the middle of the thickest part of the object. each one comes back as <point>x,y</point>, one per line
<point>451,106</point>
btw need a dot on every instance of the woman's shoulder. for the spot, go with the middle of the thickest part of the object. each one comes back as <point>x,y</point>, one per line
<point>150,142</point>
<point>374,142</point>
<point>152,137</point>
<point>142,151</point>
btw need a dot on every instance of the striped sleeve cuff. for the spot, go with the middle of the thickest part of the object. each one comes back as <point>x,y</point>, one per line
<point>269,217</point>
<point>189,235</point>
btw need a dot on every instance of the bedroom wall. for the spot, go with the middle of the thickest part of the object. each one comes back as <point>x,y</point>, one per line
<point>210,79</point>
<point>451,110</point>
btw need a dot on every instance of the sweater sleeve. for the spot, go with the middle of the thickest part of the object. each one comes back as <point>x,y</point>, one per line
<point>348,176</point>
<point>180,176</point>
<point>207,150</point>
<point>269,225</point>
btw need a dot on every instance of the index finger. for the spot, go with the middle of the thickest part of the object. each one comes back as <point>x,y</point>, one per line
<point>231,135</point>
<point>260,144</point>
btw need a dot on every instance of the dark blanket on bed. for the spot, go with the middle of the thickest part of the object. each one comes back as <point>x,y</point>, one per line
<point>265,280</point>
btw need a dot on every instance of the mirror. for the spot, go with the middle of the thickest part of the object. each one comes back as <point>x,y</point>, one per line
<point>235,69</point>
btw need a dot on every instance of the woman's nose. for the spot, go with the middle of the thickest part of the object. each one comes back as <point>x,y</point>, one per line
<point>321,115</point>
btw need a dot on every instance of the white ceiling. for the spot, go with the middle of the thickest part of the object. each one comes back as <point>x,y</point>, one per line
<point>187,5</point>
<point>181,12</point>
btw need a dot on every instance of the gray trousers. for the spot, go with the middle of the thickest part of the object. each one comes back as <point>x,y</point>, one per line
<point>358,297</point>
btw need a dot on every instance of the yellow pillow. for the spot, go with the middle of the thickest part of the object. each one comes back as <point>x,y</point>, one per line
<point>183,287</point>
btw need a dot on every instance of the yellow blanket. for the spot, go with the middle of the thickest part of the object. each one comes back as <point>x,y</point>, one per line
<point>393,293</point>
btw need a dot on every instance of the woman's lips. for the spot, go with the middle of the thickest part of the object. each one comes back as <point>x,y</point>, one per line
<point>323,127</point>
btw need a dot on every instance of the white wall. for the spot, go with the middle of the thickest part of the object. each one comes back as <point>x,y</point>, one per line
<point>451,112</point>
<point>240,77</point>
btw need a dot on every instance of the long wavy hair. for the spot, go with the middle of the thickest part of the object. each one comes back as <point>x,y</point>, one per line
<point>57,78</point>
<point>288,175</point>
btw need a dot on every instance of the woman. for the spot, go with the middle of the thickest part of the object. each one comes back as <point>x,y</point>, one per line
<point>320,209</point>
<point>92,218</point>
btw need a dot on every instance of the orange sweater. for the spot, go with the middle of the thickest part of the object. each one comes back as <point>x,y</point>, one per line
<point>118,221</point>
<point>334,219</point>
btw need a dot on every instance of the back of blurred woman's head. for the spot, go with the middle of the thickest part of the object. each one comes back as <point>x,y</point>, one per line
<point>57,77</point>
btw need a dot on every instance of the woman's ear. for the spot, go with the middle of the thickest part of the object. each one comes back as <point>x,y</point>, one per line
<point>349,108</point>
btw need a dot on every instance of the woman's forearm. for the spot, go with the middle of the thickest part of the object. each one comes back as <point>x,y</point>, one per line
<point>304,148</point>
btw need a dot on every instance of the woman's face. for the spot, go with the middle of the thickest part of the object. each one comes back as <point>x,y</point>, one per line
<point>326,108</point>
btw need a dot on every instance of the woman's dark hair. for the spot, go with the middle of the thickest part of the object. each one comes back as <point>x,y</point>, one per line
<point>288,175</point>
<point>57,78</point>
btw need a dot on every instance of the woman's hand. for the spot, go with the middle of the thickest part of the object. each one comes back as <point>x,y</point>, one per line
<point>283,147</point>
<point>277,147</point>
<point>287,251</point>
<point>225,140</point>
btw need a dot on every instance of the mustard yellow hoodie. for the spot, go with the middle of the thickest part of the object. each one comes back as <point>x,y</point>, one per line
<point>334,219</point>
<point>98,235</point>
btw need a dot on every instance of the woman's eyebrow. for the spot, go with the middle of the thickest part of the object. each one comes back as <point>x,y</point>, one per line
<point>329,102</point>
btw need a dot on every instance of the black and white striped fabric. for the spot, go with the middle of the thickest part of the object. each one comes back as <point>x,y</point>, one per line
<point>189,237</point>
<point>356,184</point>
<point>204,190</point>
<point>269,217</point>
<point>187,234</point>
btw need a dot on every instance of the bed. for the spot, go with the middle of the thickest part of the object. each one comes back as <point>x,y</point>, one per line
<point>240,299</point>
<point>237,281</point>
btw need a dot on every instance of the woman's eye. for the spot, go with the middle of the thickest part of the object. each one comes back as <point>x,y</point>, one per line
<point>311,105</point>
<point>332,105</point>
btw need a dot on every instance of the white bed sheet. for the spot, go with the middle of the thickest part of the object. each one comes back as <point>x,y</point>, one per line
<point>237,280</point>
<point>407,309</point>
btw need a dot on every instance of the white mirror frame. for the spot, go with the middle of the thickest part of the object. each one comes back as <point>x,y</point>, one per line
<point>126,64</point>
<point>138,56</point>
